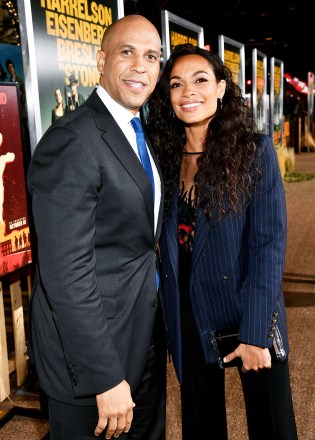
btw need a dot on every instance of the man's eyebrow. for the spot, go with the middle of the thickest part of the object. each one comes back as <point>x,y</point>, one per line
<point>156,52</point>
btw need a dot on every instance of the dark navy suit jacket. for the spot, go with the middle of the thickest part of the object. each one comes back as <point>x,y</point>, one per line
<point>94,296</point>
<point>237,268</point>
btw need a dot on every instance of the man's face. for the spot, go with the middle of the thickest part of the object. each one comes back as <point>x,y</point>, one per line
<point>74,88</point>
<point>11,68</point>
<point>129,63</point>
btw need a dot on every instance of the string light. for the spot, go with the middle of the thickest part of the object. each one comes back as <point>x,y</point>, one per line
<point>10,32</point>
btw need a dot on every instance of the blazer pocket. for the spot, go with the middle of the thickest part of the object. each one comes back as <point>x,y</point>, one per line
<point>109,305</point>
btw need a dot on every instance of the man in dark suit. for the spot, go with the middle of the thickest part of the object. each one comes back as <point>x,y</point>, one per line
<point>75,99</point>
<point>96,333</point>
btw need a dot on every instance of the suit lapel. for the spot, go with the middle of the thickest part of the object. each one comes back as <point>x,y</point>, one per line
<point>117,142</point>
<point>160,217</point>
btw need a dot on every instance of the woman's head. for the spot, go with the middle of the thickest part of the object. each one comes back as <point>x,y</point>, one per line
<point>195,91</point>
<point>188,95</point>
<point>200,79</point>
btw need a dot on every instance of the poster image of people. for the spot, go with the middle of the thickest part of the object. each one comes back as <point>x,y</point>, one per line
<point>66,37</point>
<point>15,246</point>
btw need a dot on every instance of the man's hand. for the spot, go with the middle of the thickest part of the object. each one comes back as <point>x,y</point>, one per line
<point>253,357</point>
<point>115,410</point>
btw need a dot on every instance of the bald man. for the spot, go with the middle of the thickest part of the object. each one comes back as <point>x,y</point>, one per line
<point>97,335</point>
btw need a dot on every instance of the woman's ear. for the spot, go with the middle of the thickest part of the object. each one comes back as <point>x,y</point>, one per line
<point>221,88</point>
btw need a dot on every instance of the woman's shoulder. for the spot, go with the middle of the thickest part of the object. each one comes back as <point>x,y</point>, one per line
<point>262,139</point>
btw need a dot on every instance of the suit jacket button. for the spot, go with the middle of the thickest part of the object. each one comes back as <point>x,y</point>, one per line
<point>225,277</point>
<point>166,276</point>
<point>270,335</point>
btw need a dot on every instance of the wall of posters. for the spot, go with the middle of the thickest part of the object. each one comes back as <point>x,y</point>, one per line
<point>176,30</point>
<point>59,44</point>
<point>276,101</point>
<point>15,245</point>
<point>232,54</point>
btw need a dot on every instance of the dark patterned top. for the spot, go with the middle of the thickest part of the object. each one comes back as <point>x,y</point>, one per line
<point>192,354</point>
<point>186,232</point>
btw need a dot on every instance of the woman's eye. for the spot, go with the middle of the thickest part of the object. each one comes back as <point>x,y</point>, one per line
<point>201,80</point>
<point>175,85</point>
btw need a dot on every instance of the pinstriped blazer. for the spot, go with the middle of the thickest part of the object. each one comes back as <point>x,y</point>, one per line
<point>237,268</point>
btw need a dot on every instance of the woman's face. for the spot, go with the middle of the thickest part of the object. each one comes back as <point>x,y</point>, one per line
<point>194,90</point>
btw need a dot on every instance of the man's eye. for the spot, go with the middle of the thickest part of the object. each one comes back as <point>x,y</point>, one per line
<point>152,57</point>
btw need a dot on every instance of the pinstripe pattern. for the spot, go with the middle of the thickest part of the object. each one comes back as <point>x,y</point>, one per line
<point>237,268</point>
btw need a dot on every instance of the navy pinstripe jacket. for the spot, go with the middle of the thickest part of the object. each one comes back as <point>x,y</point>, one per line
<point>236,271</point>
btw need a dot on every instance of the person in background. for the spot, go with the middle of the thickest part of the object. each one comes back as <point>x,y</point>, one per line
<point>222,247</point>
<point>97,335</point>
<point>59,110</point>
<point>14,77</point>
<point>75,99</point>
<point>3,73</point>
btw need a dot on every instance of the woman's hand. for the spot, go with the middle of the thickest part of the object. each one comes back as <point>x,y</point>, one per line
<point>253,357</point>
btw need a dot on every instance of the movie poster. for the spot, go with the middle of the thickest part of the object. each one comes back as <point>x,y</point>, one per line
<point>176,30</point>
<point>259,62</point>
<point>232,54</point>
<point>63,39</point>
<point>15,243</point>
<point>276,101</point>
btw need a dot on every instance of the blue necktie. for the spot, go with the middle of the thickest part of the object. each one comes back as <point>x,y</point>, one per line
<point>142,149</point>
<point>145,160</point>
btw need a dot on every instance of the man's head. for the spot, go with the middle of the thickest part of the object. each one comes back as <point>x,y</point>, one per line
<point>10,66</point>
<point>73,83</point>
<point>129,61</point>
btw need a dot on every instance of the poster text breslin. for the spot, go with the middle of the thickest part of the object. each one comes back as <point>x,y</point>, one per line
<point>78,27</point>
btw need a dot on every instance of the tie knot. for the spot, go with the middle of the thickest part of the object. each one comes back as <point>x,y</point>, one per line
<point>136,124</point>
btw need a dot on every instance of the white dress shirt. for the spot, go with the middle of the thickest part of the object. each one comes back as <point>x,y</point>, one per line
<point>123,118</point>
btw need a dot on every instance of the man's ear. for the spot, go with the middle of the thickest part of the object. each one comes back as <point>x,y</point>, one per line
<point>100,59</point>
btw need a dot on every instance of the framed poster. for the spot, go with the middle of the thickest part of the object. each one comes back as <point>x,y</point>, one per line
<point>259,93</point>
<point>310,107</point>
<point>15,245</point>
<point>276,101</point>
<point>59,44</point>
<point>232,53</point>
<point>176,30</point>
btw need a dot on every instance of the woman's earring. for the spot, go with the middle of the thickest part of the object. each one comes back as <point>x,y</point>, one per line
<point>221,102</point>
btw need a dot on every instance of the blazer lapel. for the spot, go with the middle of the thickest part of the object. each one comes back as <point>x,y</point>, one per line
<point>171,234</point>
<point>201,232</point>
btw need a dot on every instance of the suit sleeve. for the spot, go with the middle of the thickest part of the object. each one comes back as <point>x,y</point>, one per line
<point>267,245</point>
<point>64,180</point>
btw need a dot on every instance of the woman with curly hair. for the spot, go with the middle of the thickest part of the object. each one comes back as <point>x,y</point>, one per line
<point>222,248</point>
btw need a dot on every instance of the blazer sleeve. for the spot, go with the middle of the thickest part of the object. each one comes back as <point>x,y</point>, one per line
<point>63,179</point>
<point>267,246</point>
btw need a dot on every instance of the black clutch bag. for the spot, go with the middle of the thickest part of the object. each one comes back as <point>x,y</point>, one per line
<point>224,342</point>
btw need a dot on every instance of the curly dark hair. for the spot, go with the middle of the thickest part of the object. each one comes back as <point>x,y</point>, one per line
<point>228,171</point>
